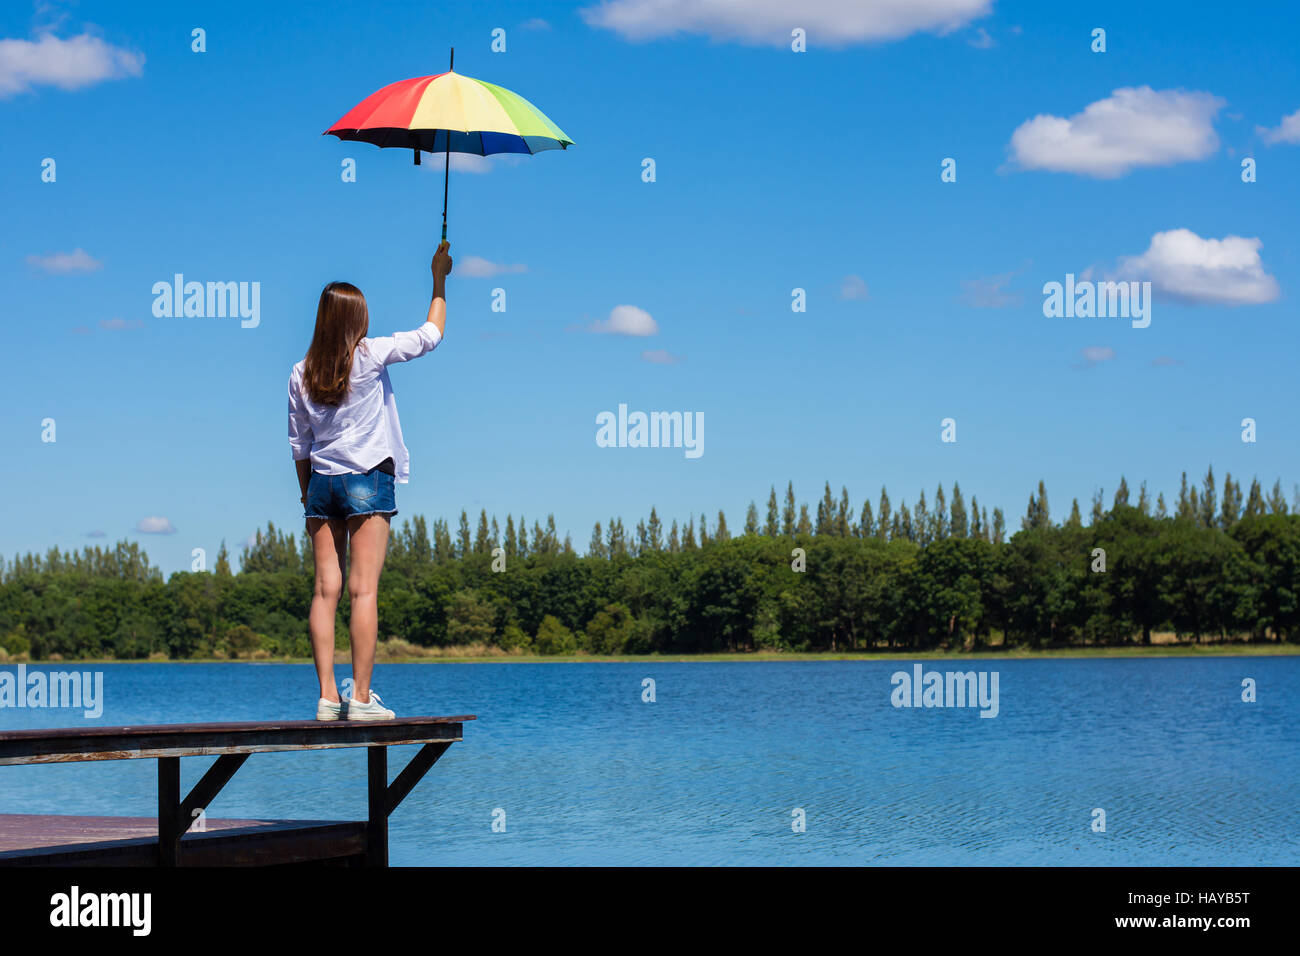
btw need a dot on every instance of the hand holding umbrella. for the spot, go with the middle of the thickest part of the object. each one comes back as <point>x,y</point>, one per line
<point>441,268</point>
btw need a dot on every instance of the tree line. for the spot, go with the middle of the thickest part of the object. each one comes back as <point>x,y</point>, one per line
<point>1216,564</point>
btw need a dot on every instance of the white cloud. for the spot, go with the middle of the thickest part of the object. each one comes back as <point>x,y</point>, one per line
<point>990,292</point>
<point>626,320</point>
<point>476,267</point>
<point>468,162</point>
<point>982,40</point>
<point>1134,126</point>
<point>1182,265</point>
<point>154,525</point>
<point>1096,354</point>
<point>68,64</point>
<point>117,325</point>
<point>536,23</point>
<point>661,357</point>
<point>1287,131</point>
<point>769,22</point>
<point>853,287</point>
<point>62,263</point>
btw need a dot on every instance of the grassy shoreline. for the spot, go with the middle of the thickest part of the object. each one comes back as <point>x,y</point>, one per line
<point>1062,653</point>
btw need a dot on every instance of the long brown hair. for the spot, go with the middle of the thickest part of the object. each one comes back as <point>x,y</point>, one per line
<point>342,320</point>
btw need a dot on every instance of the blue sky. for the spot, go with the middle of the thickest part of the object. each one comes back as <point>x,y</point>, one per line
<point>775,170</point>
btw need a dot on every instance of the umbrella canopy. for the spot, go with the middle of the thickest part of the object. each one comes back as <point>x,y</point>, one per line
<point>450,113</point>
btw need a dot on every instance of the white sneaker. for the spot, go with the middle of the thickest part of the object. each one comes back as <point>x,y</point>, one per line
<point>330,709</point>
<point>371,710</point>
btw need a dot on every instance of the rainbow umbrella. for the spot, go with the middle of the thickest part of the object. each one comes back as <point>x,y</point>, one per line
<point>449,113</point>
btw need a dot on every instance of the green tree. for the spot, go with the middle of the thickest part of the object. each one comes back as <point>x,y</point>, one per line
<point>610,630</point>
<point>470,618</point>
<point>1121,494</point>
<point>464,543</point>
<point>773,526</point>
<point>1209,515</point>
<point>222,568</point>
<point>826,513</point>
<point>959,523</point>
<point>553,638</point>
<point>867,522</point>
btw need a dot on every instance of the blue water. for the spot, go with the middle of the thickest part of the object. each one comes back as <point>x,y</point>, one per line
<point>587,773</point>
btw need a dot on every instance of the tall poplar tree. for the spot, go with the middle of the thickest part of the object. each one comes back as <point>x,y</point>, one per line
<point>1277,500</point>
<point>1231,510</point>
<point>920,522</point>
<point>885,517</point>
<point>959,523</point>
<point>1098,513</point>
<point>464,543</point>
<point>1186,506</point>
<point>939,516</point>
<point>826,512</point>
<point>1209,517</point>
<point>1255,504</point>
<point>1121,494</point>
<point>773,526</point>
<point>867,523</point>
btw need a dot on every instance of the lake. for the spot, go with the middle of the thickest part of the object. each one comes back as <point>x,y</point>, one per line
<point>715,770</point>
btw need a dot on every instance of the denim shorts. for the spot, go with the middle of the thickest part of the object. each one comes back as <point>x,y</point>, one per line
<point>343,496</point>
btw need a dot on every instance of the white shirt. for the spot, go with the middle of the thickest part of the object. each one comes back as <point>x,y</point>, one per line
<point>363,429</point>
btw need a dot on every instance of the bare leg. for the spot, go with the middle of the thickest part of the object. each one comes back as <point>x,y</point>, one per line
<point>329,541</point>
<point>369,545</point>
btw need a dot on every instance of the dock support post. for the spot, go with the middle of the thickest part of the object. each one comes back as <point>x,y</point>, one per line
<point>169,810</point>
<point>377,825</point>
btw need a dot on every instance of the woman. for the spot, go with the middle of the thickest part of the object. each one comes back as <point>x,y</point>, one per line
<point>347,446</point>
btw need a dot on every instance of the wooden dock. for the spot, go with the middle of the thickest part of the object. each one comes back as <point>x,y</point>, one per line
<point>169,838</point>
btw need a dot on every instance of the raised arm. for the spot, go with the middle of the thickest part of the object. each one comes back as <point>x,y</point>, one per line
<point>441,267</point>
<point>404,346</point>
